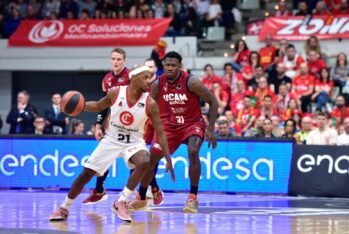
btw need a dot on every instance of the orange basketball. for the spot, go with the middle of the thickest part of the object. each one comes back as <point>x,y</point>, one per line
<point>72,103</point>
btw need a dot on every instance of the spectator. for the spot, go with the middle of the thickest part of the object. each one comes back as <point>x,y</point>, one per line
<point>302,9</point>
<point>231,122</point>
<point>278,129</point>
<point>103,10</point>
<point>321,8</point>
<point>57,121</point>
<point>303,86</point>
<point>343,139</point>
<point>49,7</point>
<point>312,43</point>
<point>39,125</point>
<point>323,135</point>
<point>20,5</point>
<point>290,129</point>
<point>222,97</point>
<point>278,78</point>
<point>339,112</point>
<point>140,5</point>
<point>84,15</point>
<point>241,55</point>
<point>283,98</point>
<point>53,16</point>
<point>246,115</point>
<point>120,9</point>
<point>267,129</point>
<point>323,90</point>
<point>267,109</point>
<point>201,7</point>
<point>214,14</point>
<point>77,127</point>
<point>292,109</point>
<point>68,9</point>
<point>12,23</point>
<point>306,127</point>
<point>87,7</point>
<point>21,116</point>
<point>315,63</point>
<point>343,8</point>
<point>158,54</point>
<point>268,53</point>
<point>258,73</point>
<point>237,97</point>
<point>92,130</point>
<point>175,25</point>
<point>281,51</point>
<point>340,73</point>
<point>262,91</point>
<point>257,129</point>
<point>231,77</point>
<point>158,8</point>
<point>292,61</point>
<point>283,9</point>
<point>192,24</point>
<point>224,132</point>
<point>2,26</point>
<point>31,14</point>
<point>210,77</point>
<point>248,70</point>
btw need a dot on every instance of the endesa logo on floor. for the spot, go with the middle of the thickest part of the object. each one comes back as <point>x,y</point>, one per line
<point>235,166</point>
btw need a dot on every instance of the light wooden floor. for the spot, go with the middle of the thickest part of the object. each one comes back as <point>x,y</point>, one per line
<point>218,214</point>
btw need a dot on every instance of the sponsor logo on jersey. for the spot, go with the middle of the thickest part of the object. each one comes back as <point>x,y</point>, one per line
<point>179,87</point>
<point>126,118</point>
<point>175,98</point>
<point>121,79</point>
<point>141,104</point>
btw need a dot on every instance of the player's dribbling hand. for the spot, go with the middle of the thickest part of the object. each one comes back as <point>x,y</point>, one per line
<point>99,132</point>
<point>169,167</point>
<point>211,139</point>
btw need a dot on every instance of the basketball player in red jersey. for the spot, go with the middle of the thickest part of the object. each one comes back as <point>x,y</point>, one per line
<point>178,96</point>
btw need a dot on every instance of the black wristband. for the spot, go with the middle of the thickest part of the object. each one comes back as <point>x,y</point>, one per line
<point>101,116</point>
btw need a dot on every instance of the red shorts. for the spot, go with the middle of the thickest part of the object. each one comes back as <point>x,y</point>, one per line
<point>178,134</point>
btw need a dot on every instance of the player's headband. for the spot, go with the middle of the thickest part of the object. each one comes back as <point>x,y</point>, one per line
<point>138,70</point>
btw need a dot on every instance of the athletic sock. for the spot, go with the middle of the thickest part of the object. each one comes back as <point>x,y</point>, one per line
<point>143,192</point>
<point>67,203</point>
<point>125,194</point>
<point>100,182</point>
<point>154,185</point>
<point>194,189</point>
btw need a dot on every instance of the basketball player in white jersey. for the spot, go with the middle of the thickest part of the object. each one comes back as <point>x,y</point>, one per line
<point>130,106</point>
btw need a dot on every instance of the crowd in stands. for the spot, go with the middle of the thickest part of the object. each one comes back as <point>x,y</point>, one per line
<point>189,16</point>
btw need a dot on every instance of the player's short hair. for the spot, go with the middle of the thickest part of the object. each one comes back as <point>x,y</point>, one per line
<point>290,46</point>
<point>149,60</point>
<point>119,51</point>
<point>173,54</point>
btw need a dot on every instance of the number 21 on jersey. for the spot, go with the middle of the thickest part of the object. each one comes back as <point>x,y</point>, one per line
<point>180,119</point>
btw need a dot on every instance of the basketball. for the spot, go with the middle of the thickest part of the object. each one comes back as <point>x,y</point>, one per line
<point>72,103</point>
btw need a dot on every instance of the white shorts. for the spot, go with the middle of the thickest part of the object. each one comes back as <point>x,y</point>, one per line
<point>106,153</point>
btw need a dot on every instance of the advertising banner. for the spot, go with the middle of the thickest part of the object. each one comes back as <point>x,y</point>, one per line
<point>110,32</point>
<point>320,171</point>
<point>234,166</point>
<point>301,28</point>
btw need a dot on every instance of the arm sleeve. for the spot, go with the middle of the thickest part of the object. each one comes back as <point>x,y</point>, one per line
<point>101,116</point>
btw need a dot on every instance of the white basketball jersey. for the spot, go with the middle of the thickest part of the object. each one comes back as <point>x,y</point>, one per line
<point>127,123</point>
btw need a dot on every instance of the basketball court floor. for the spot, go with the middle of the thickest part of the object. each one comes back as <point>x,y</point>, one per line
<point>28,212</point>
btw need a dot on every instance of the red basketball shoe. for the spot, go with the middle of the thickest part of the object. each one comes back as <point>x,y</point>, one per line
<point>95,197</point>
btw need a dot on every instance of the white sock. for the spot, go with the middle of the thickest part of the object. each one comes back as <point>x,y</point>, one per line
<point>67,203</point>
<point>125,194</point>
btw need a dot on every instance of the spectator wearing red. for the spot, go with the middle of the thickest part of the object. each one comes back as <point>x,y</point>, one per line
<point>246,116</point>
<point>283,9</point>
<point>315,63</point>
<point>281,51</point>
<point>268,53</point>
<point>278,78</point>
<point>236,102</point>
<point>283,98</point>
<point>303,86</point>
<point>292,61</point>
<point>267,109</point>
<point>339,113</point>
<point>258,73</point>
<point>241,55</point>
<point>158,54</point>
<point>221,95</point>
<point>333,4</point>
<point>321,8</point>
<point>342,8</point>
<point>292,110</point>
<point>210,77</point>
<point>262,91</point>
<point>323,90</point>
<point>248,70</point>
<point>231,122</point>
<point>230,78</point>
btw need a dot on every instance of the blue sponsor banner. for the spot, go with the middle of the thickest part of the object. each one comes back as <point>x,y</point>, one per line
<point>234,166</point>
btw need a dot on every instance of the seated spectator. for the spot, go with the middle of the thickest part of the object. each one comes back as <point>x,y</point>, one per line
<point>283,98</point>
<point>31,14</point>
<point>224,132</point>
<point>12,22</point>
<point>340,73</point>
<point>49,7</point>
<point>278,129</point>
<point>103,10</point>
<point>306,127</point>
<point>267,129</point>
<point>246,116</point>
<point>302,8</point>
<point>278,78</point>
<point>57,121</point>
<point>158,7</point>
<point>40,126</point>
<point>257,129</point>
<point>267,109</point>
<point>21,116</point>
<point>192,23</point>
<point>283,9</point>
<point>268,53</point>
<point>175,25</point>
<point>315,63</point>
<point>343,8</point>
<point>290,129</point>
<point>323,90</point>
<point>322,135</point>
<point>120,9</point>
<point>210,77</point>
<point>313,43</point>
<point>339,112</point>
<point>241,56</point>
<point>68,9</point>
<point>292,61</point>
<point>253,83</point>
<point>248,70</point>
<point>321,8</point>
<point>230,78</point>
<point>236,102</point>
<point>303,87</point>
<point>87,7</point>
<point>343,139</point>
<point>262,91</point>
<point>231,122</point>
<point>214,14</point>
<point>92,130</point>
<point>221,96</point>
<point>84,15</point>
<point>77,127</point>
<point>292,109</point>
<point>281,50</point>
<point>140,5</point>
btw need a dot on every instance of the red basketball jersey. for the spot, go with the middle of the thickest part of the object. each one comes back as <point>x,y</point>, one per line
<point>177,104</point>
<point>111,80</point>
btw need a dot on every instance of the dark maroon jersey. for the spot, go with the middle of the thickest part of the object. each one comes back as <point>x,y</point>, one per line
<point>111,80</point>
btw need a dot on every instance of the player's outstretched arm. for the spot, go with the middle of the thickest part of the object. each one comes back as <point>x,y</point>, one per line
<point>196,86</point>
<point>103,103</point>
<point>154,115</point>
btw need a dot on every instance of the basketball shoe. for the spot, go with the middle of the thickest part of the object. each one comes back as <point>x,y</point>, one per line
<point>60,214</point>
<point>158,197</point>
<point>95,197</point>
<point>192,204</point>
<point>120,209</point>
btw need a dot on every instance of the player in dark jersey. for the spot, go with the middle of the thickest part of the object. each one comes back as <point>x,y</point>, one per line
<point>178,96</point>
